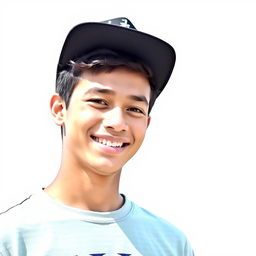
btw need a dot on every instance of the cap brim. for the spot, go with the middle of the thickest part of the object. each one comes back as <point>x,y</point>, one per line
<point>156,53</point>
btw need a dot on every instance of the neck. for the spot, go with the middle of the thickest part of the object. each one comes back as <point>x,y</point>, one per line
<point>86,190</point>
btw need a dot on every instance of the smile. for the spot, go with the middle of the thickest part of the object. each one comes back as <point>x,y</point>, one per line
<point>113,144</point>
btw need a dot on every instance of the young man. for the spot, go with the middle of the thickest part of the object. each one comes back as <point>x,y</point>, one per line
<point>109,75</point>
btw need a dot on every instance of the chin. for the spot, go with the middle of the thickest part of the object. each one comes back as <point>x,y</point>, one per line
<point>108,171</point>
<point>106,168</point>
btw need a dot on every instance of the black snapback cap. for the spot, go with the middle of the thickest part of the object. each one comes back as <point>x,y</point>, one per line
<point>120,35</point>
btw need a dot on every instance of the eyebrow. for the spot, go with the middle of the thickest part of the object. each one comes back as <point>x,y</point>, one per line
<point>139,98</point>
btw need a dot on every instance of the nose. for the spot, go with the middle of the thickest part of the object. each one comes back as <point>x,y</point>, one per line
<point>114,119</point>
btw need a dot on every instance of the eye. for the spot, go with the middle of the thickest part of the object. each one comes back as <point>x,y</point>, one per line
<point>136,110</point>
<point>98,101</point>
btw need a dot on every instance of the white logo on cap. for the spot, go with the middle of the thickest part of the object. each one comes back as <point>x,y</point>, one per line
<point>124,23</point>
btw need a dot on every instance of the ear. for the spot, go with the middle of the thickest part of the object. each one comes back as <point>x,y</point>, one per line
<point>58,109</point>
<point>149,120</point>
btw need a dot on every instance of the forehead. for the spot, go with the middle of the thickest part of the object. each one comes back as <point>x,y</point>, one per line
<point>120,81</point>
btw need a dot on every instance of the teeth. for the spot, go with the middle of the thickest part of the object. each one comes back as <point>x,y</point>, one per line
<point>108,142</point>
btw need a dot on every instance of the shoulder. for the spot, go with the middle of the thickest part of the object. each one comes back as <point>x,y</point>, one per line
<point>157,224</point>
<point>12,218</point>
<point>157,231</point>
<point>16,206</point>
<point>15,213</point>
<point>13,210</point>
<point>23,213</point>
<point>147,216</point>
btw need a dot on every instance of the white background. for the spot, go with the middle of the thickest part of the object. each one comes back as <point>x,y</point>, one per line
<point>196,167</point>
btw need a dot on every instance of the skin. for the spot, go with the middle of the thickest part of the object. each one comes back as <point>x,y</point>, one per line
<point>111,106</point>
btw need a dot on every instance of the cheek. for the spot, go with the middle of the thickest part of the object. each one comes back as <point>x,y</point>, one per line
<point>83,116</point>
<point>140,130</point>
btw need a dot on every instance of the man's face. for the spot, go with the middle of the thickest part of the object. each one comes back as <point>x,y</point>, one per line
<point>106,120</point>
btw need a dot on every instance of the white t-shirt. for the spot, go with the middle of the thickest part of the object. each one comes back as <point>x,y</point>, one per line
<point>41,226</point>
